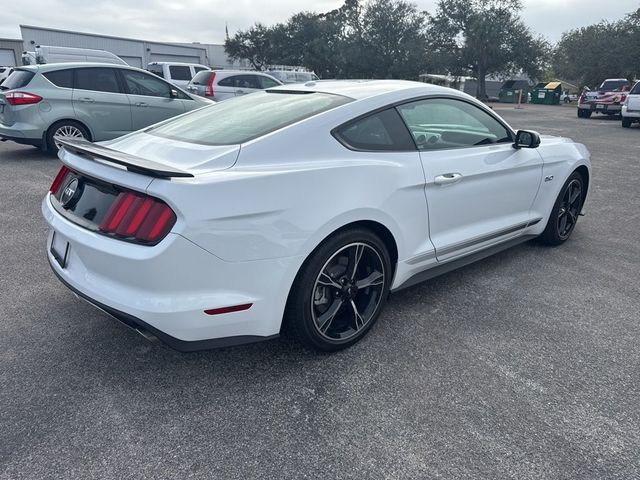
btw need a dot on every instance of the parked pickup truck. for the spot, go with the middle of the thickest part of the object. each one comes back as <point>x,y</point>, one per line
<point>607,99</point>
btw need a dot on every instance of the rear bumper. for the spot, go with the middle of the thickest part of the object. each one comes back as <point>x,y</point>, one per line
<point>601,107</point>
<point>165,289</point>
<point>145,329</point>
<point>23,134</point>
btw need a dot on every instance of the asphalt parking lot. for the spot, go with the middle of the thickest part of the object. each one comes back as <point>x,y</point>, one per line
<point>524,365</point>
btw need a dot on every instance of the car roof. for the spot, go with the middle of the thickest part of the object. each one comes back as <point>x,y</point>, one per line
<point>180,64</point>
<point>241,72</point>
<point>46,67</point>
<point>361,89</point>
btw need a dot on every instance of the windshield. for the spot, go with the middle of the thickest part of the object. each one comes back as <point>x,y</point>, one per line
<point>244,118</point>
<point>612,85</point>
<point>17,79</point>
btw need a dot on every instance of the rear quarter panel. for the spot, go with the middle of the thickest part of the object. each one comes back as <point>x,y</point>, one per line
<point>290,190</point>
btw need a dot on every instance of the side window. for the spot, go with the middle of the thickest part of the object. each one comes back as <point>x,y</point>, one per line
<point>97,79</point>
<point>636,89</point>
<point>60,78</point>
<point>228,82</point>
<point>382,131</point>
<point>266,82</point>
<point>247,81</point>
<point>200,69</point>
<point>180,72</point>
<point>140,83</point>
<point>441,123</point>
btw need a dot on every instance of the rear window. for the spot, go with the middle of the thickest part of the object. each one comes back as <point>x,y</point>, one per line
<point>244,118</point>
<point>17,79</point>
<point>60,78</point>
<point>180,72</point>
<point>612,85</point>
<point>202,78</point>
<point>156,69</point>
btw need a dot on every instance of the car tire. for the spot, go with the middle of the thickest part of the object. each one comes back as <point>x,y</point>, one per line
<point>626,122</point>
<point>565,212</point>
<point>584,113</point>
<point>339,291</point>
<point>65,128</point>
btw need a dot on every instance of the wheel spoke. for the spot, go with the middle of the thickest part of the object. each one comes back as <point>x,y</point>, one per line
<point>357,317</point>
<point>324,320</point>
<point>327,281</point>
<point>563,224</point>
<point>374,278</point>
<point>354,259</point>
<point>575,194</point>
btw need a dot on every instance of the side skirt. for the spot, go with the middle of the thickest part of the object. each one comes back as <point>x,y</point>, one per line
<point>461,262</point>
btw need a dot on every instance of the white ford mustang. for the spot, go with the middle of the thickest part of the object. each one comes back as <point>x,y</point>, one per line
<point>301,207</point>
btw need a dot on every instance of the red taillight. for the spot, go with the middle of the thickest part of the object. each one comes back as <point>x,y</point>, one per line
<point>235,308</point>
<point>623,97</point>
<point>209,90</point>
<point>581,99</point>
<point>58,180</point>
<point>134,215</point>
<point>22,98</point>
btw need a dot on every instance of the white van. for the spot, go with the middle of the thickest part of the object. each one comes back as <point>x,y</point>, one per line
<point>180,74</point>
<point>47,54</point>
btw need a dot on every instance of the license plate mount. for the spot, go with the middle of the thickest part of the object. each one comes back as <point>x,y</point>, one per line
<point>60,249</point>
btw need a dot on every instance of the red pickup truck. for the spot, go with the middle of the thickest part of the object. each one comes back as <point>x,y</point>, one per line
<point>607,99</point>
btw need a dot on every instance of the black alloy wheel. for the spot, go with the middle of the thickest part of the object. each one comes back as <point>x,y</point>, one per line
<point>340,291</point>
<point>565,212</point>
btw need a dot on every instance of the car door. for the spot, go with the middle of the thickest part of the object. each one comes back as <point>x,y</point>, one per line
<point>151,98</point>
<point>245,84</point>
<point>479,189</point>
<point>224,88</point>
<point>100,103</point>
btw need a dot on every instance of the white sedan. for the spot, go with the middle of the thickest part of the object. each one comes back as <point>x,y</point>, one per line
<point>300,208</point>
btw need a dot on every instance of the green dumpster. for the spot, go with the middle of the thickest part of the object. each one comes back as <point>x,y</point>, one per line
<point>547,93</point>
<point>510,91</point>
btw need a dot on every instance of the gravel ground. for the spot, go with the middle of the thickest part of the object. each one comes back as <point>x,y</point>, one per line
<point>524,365</point>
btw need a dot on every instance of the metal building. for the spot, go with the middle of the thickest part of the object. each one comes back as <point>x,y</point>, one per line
<point>10,52</point>
<point>137,53</point>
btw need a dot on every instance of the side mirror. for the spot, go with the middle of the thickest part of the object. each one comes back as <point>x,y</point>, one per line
<point>173,93</point>
<point>526,139</point>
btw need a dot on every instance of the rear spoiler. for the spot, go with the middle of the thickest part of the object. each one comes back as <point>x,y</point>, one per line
<point>131,162</point>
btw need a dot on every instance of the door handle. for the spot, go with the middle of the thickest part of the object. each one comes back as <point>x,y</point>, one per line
<point>241,92</point>
<point>141,104</point>
<point>447,178</point>
<point>86,100</point>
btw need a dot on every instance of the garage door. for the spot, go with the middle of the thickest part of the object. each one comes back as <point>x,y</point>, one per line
<point>161,57</point>
<point>133,61</point>
<point>7,58</point>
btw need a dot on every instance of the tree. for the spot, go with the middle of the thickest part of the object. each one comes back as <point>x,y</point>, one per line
<point>257,44</point>
<point>604,50</point>
<point>484,37</point>
<point>394,39</point>
<point>382,39</point>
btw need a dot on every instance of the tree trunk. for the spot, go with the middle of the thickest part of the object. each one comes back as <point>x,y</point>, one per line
<point>481,90</point>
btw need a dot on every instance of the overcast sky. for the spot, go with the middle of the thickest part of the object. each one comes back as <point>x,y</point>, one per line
<point>204,20</point>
